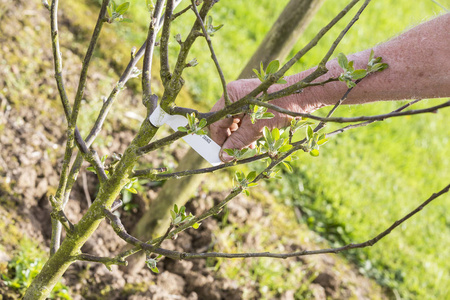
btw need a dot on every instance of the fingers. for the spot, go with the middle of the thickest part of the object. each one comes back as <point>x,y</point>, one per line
<point>244,136</point>
<point>220,130</point>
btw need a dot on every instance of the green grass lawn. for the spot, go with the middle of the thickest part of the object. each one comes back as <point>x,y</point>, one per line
<point>364,179</point>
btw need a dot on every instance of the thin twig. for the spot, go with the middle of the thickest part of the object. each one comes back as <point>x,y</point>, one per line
<point>321,69</point>
<point>340,130</point>
<point>174,16</point>
<point>107,261</point>
<point>150,46</point>
<point>173,83</point>
<point>151,174</point>
<point>57,60</point>
<point>212,211</point>
<point>316,39</point>
<point>86,62</point>
<point>432,109</point>
<point>371,242</point>
<point>335,107</point>
<point>365,244</point>
<point>213,54</point>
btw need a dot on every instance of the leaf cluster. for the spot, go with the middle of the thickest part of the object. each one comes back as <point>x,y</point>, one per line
<point>259,113</point>
<point>245,182</point>
<point>116,12</point>
<point>272,68</point>
<point>314,141</point>
<point>179,216</point>
<point>210,28</point>
<point>375,64</point>
<point>194,125</point>
<point>151,263</point>
<point>275,141</point>
<point>350,74</point>
<point>241,153</point>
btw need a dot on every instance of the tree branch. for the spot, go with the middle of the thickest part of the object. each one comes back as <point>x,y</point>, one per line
<point>340,130</point>
<point>174,16</point>
<point>213,54</point>
<point>371,242</point>
<point>87,59</point>
<point>212,211</point>
<point>150,46</point>
<point>432,109</point>
<point>365,244</point>
<point>57,60</point>
<point>164,46</point>
<point>107,261</point>
<point>321,69</point>
<point>151,174</point>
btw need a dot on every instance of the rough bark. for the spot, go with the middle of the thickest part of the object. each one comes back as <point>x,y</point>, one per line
<point>283,35</point>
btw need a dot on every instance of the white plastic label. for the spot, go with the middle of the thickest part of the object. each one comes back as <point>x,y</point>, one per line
<point>202,144</point>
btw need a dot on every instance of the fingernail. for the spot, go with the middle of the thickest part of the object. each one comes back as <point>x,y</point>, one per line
<point>225,157</point>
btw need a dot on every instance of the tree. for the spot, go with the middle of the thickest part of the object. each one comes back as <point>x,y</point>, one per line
<point>276,46</point>
<point>276,148</point>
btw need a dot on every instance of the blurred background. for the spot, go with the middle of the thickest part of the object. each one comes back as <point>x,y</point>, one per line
<point>362,182</point>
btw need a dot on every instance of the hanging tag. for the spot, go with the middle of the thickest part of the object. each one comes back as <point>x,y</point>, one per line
<point>202,144</point>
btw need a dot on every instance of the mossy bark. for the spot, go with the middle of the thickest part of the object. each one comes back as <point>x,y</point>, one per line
<point>55,267</point>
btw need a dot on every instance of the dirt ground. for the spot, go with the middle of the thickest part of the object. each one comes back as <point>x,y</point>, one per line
<point>32,139</point>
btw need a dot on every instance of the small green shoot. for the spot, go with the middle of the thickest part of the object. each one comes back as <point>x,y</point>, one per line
<point>179,216</point>
<point>116,12</point>
<point>271,69</point>
<point>314,141</point>
<point>350,75</point>
<point>210,28</point>
<point>259,113</point>
<point>103,159</point>
<point>245,182</point>
<point>151,263</point>
<point>240,153</point>
<point>275,141</point>
<point>194,125</point>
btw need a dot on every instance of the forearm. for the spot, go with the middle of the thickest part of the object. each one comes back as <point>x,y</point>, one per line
<point>419,64</point>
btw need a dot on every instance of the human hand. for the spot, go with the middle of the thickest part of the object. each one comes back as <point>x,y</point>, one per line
<point>238,132</point>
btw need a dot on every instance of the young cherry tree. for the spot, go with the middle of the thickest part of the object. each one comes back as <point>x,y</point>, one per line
<point>276,148</point>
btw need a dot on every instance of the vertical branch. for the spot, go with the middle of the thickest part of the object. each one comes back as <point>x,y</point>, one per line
<point>73,133</point>
<point>164,46</point>
<point>56,225</point>
<point>87,59</point>
<point>57,60</point>
<point>150,46</point>
<point>174,82</point>
<point>213,55</point>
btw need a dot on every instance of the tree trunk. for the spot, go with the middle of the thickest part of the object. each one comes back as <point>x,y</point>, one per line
<point>277,44</point>
<point>283,35</point>
<point>57,264</point>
